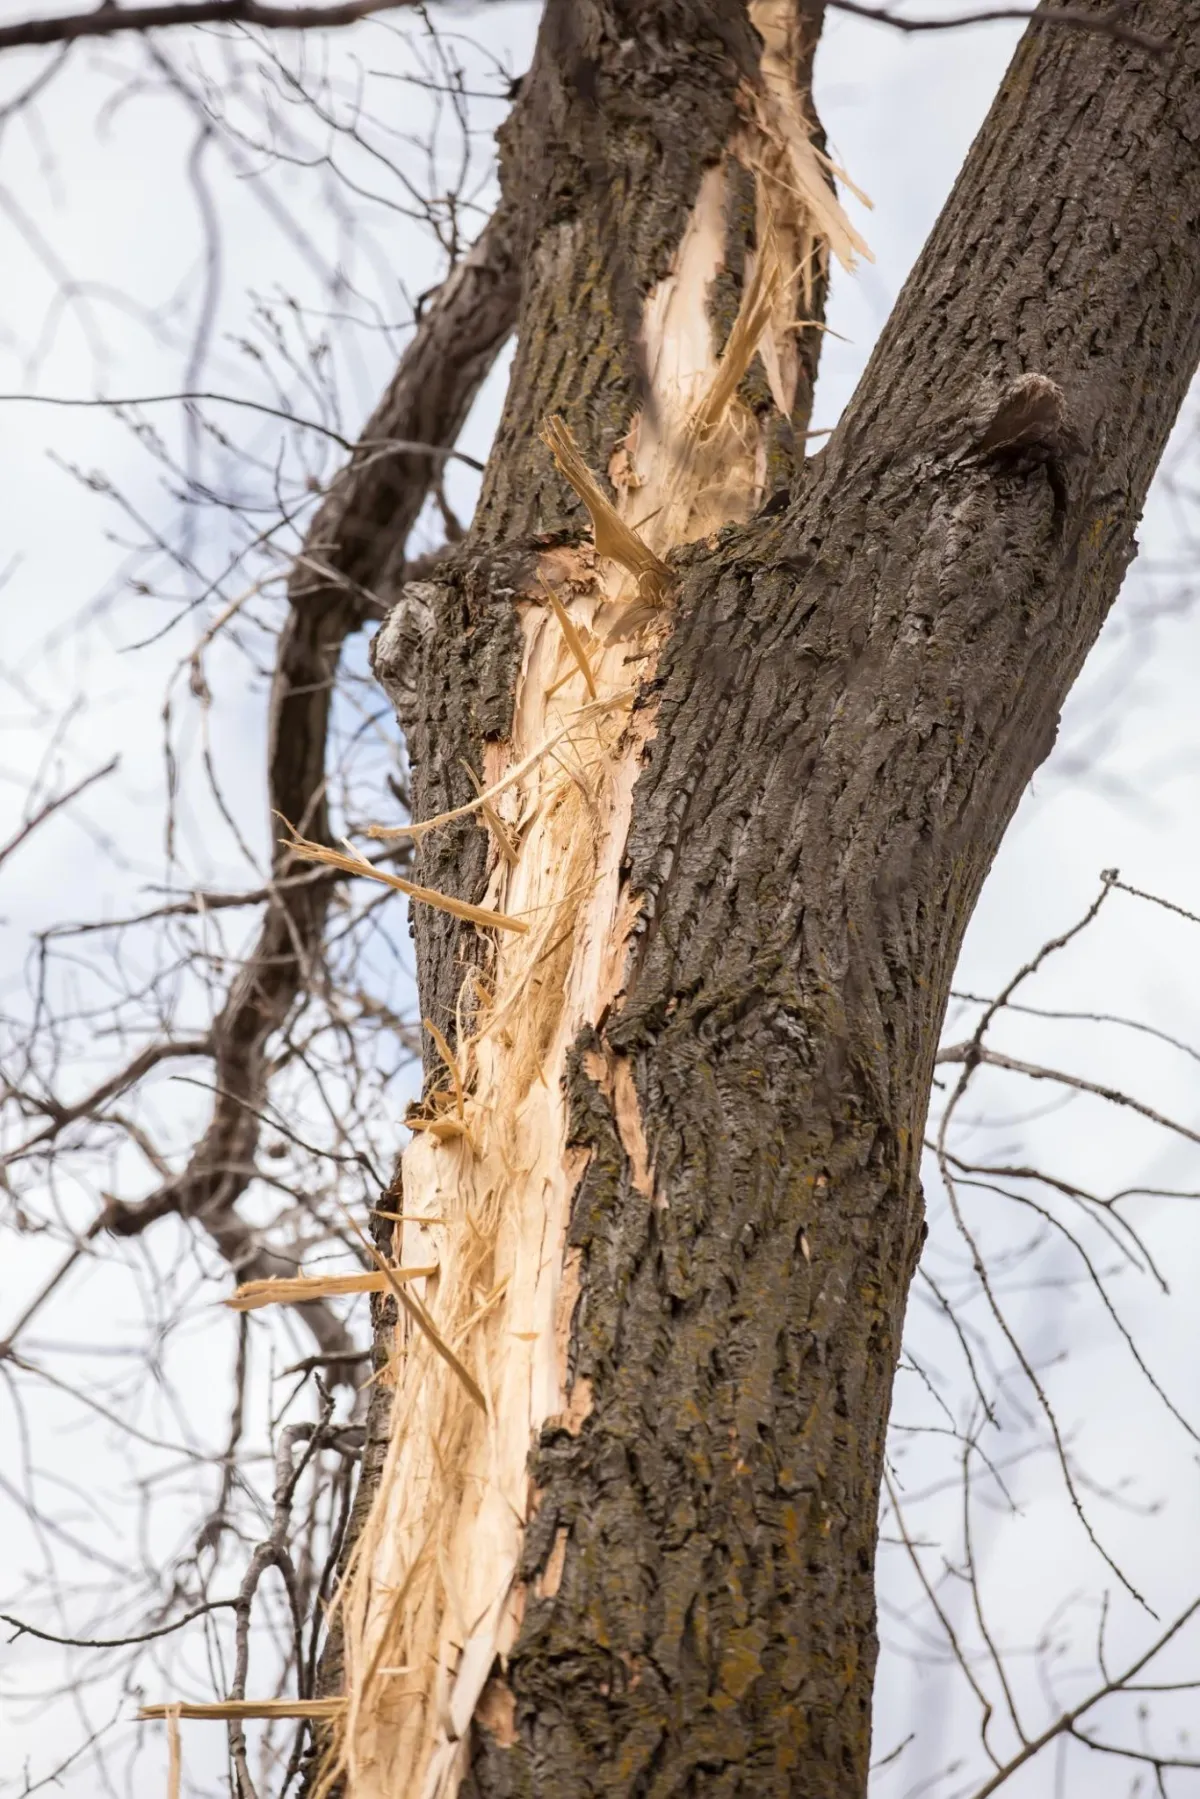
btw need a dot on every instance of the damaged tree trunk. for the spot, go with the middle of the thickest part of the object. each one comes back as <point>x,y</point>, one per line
<point>748,731</point>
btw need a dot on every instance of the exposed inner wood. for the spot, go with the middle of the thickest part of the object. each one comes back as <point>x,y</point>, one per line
<point>433,1599</point>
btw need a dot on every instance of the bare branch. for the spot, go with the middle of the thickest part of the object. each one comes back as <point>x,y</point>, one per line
<point>284,983</point>
<point>53,806</point>
<point>363,522</point>
<point>146,1636</point>
<point>105,21</point>
<point>1106,24</point>
<point>383,446</point>
<point>971,1055</point>
<point>62,1115</point>
<point>1066,1724</point>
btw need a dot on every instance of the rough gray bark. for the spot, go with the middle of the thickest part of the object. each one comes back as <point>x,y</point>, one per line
<point>853,696</point>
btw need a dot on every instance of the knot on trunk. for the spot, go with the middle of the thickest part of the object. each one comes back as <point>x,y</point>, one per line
<point>1030,425</point>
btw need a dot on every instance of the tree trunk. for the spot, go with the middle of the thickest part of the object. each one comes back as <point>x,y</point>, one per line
<point>623,1539</point>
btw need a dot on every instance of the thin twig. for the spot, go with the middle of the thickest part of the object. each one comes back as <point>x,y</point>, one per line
<point>105,21</point>
<point>1067,1722</point>
<point>147,1636</point>
<point>53,806</point>
<point>1105,24</point>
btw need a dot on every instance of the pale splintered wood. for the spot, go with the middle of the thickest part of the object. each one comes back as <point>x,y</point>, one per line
<point>573,640</point>
<point>174,1753</point>
<point>450,1060</point>
<point>614,537</point>
<point>412,1307</point>
<point>353,864</point>
<point>504,842</point>
<point>577,717</point>
<point>295,1290</point>
<point>433,1588</point>
<point>226,1709</point>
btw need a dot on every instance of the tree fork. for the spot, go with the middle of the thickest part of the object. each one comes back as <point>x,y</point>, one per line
<point>698,1168</point>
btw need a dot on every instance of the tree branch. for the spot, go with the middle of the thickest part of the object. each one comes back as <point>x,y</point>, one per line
<point>52,806</point>
<point>1068,1721</point>
<point>1107,24</point>
<point>357,541</point>
<point>354,551</point>
<point>147,1636</point>
<point>971,1055</point>
<point>186,396</point>
<point>108,19</point>
<point>61,1116</point>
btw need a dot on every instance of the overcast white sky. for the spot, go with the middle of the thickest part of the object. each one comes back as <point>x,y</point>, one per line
<point>101,192</point>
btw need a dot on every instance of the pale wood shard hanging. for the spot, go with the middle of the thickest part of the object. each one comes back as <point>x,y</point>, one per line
<point>222,1710</point>
<point>353,864</point>
<point>294,1291</point>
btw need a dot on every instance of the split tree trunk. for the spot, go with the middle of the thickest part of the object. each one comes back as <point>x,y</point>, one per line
<point>670,1182</point>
